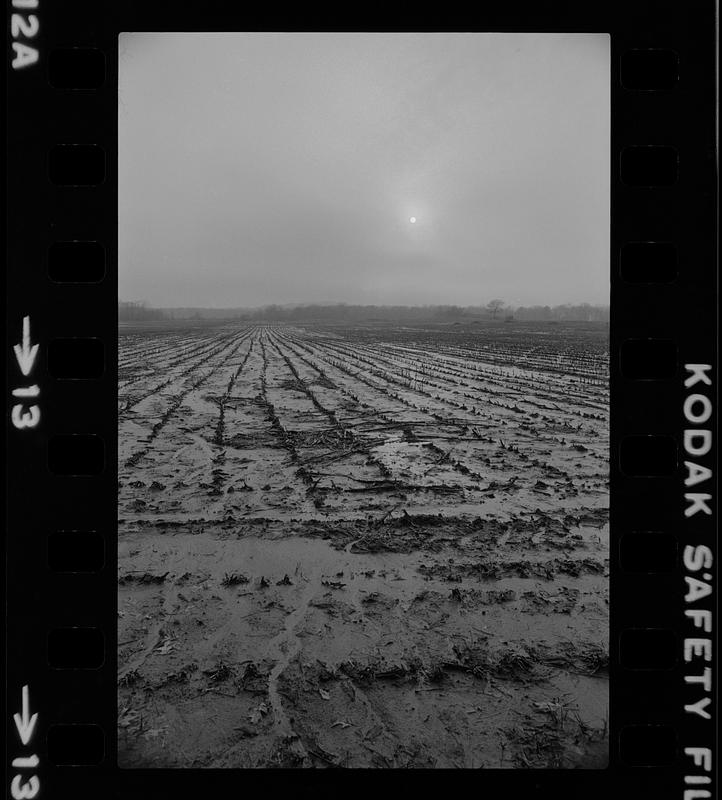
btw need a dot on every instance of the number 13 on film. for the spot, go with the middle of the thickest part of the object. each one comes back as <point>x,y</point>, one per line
<point>24,786</point>
<point>26,414</point>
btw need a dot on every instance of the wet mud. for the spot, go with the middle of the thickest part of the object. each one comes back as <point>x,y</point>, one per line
<point>376,547</point>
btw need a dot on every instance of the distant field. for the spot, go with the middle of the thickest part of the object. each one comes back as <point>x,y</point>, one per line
<point>367,546</point>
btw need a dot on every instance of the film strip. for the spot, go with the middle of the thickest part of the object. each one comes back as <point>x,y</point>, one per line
<point>62,605</point>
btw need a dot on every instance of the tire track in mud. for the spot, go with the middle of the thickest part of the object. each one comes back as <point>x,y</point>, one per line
<point>282,649</point>
<point>146,359</point>
<point>389,395</point>
<point>219,459</point>
<point>387,419</point>
<point>171,348</point>
<point>176,403</point>
<point>215,349</point>
<point>306,470</point>
<point>485,371</point>
<point>207,350</point>
<point>511,451</point>
<point>223,401</point>
<point>280,433</point>
<point>394,375</point>
<point>445,455</point>
<point>135,347</point>
<point>384,379</point>
<point>138,366</point>
<point>582,430</point>
<point>347,433</point>
<point>483,375</point>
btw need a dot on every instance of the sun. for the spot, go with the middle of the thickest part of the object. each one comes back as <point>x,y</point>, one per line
<point>412,220</point>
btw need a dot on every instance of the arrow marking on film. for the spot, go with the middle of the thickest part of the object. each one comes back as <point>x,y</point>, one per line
<point>25,353</point>
<point>25,723</point>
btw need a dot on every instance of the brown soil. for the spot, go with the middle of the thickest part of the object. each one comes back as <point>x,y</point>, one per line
<point>374,547</point>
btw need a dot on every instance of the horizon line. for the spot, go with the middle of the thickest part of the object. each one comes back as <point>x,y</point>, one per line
<point>373,305</point>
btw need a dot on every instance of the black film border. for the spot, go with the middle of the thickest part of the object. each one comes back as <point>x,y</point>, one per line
<point>61,457</point>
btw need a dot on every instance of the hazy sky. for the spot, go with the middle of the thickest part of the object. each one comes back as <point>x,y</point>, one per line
<point>281,168</point>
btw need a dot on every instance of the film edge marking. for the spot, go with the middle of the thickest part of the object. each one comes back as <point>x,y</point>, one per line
<point>25,354</point>
<point>24,26</point>
<point>21,789</point>
<point>697,442</point>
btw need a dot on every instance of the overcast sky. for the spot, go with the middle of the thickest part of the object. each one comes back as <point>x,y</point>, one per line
<point>283,168</point>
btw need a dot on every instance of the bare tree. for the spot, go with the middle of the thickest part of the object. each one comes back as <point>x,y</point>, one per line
<point>494,307</point>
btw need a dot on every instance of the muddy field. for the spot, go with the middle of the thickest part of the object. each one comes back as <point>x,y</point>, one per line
<point>363,547</point>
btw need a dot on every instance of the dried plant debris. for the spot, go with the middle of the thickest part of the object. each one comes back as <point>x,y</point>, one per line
<point>234,579</point>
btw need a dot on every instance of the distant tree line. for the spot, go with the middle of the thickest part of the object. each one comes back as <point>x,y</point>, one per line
<point>576,313</point>
<point>495,310</point>
<point>138,311</point>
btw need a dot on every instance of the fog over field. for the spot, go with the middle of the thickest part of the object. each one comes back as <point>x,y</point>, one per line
<point>280,168</point>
